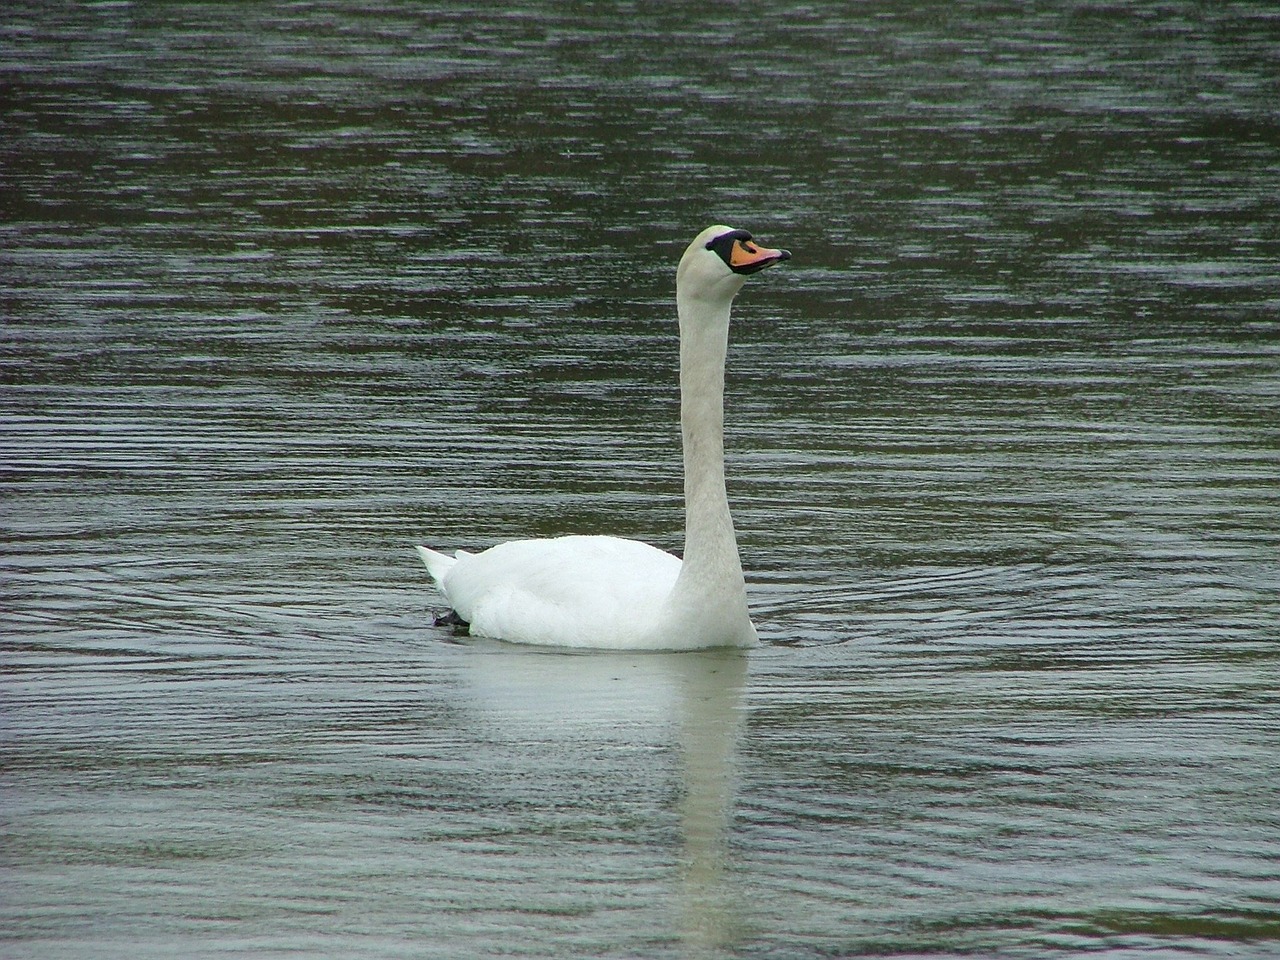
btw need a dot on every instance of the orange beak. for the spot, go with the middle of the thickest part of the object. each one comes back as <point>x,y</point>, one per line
<point>748,257</point>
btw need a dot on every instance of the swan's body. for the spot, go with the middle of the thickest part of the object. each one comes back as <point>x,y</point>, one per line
<point>612,593</point>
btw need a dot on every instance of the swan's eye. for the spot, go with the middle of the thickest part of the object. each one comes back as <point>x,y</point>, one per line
<point>728,245</point>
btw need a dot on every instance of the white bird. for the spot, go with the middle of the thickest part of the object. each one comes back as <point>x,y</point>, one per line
<point>611,593</point>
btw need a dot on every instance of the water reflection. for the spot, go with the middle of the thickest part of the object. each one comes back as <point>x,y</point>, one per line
<point>644,711</point>
<point>711,724</point>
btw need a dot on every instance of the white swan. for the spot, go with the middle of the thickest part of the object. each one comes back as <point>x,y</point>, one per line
<point>612,593</point>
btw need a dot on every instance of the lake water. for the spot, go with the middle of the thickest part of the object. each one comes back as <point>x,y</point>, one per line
<point>288,288</point>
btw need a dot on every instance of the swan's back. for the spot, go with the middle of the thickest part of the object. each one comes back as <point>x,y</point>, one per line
<point>578,591</point>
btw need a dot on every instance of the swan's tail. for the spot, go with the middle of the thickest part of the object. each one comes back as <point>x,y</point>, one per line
<point>438,565</point>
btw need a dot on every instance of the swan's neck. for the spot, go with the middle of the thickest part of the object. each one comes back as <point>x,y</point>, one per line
<point>711,575</point>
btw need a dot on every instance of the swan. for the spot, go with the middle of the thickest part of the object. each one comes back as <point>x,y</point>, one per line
<point>611,593</point>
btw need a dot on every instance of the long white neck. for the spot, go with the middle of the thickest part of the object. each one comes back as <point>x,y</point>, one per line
<point>710,591</point>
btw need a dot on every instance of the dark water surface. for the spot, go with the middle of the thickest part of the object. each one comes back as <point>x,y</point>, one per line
<point>288,288</point>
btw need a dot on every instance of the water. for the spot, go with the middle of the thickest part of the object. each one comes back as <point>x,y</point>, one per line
<point>288,289</point>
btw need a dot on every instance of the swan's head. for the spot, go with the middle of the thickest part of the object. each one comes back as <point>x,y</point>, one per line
<point>719,261</point>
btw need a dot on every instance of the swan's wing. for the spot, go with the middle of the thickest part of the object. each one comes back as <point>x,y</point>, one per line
<point>568,591</point>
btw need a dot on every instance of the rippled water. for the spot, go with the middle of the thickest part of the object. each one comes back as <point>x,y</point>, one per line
<point>287,289</point>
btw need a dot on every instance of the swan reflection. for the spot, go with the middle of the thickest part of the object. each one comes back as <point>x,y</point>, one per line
<point>668,726</point>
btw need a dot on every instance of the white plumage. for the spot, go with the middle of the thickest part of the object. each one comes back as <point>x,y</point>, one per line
<point>612,593</point>
<point>568,591</point>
